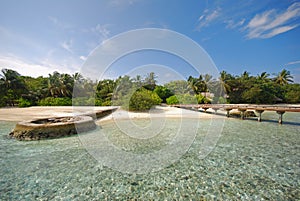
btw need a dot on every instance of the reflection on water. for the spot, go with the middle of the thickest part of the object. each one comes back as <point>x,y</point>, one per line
<point>251,161</point>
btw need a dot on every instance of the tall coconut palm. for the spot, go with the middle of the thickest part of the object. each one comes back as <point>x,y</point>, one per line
<point>67,84</point>
<point>245,75</point>
<point>60,85</point>
<point>53,84</point>
<point>224,78</point>
<point>138,81</point>
<point>264,76</point>
<point>77,77</point>
<point>150,81</point>
<point>284,77</point>
<point>10,79</point>
<point>192,84</point>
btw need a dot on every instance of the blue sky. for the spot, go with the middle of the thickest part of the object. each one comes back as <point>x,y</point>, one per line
<point>39,37</point>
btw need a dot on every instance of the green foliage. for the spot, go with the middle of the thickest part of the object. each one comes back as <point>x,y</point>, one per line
<point>182,99</point>
<point>179,87</point>
<point>221,100</point>
<point>24,103</point>
<point>86,101</point>
<point>284,77</point>
<point>105,103</point>
<point>163,92</point>
<point>202,99</point>
<point>172,100</point>
<point>58,89</point>
<point>150,81</point>
<point>12,86</point>
<point>51,101</point>
<point>292,94</point>
<point>105,90</point>
<point>60,85</point>
<point>142,100</point>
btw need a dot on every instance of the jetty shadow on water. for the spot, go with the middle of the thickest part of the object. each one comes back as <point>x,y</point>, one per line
<point>275,120</point>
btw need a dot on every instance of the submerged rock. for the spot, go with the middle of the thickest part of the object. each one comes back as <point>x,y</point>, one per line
<point>52,127</point>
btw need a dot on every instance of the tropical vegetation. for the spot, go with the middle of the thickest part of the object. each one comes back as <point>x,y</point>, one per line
<point>141,93</point>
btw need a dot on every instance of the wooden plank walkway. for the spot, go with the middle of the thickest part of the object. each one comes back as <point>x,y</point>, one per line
<point>279,109</point>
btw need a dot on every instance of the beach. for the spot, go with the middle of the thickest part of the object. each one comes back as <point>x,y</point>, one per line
<point>22,114</point>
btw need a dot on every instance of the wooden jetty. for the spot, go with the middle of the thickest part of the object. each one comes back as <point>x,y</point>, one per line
<point>279,109</point>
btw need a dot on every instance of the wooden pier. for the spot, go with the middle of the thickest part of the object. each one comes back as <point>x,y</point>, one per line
<point>279,109</point>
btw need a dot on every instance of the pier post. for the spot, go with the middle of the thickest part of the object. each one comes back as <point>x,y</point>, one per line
<point>227,112</point>
<point>205,108</point>
<point>259,114</point>
<point>242,113</point>
<point>280,116</point>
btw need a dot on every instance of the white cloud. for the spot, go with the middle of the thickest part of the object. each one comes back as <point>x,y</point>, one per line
<point>83,58</point>
<point>293,62</point>
<point>35,69</point>
<point>278,30</point>
<point>271,23</point>
<point>23,67</point>
<point>208,17</point>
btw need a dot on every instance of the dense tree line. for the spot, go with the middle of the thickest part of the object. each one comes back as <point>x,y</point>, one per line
<point>142,92</point>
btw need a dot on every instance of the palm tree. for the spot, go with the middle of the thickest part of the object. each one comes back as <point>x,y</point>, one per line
<point>224,78</point>
<point>10,79</point>
<point>150,81</point>
<point>245,75</point>
<point>138,80</point>
<point>207,78</point>
<point>192,84</point>
<point>60,85</point>
<point>264,76</point>
<point>77,77</point>
<point>284,77</point>
<point>12,85</point>
<point>67,84</point>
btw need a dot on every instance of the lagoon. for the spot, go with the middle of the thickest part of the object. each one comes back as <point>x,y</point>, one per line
<point>251,161</point>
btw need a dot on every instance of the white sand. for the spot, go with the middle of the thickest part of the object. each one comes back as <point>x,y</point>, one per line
<point>158,111</point>
<point>21,114</point>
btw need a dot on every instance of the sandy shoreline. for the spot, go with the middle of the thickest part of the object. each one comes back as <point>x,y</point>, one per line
<point>21,114</point>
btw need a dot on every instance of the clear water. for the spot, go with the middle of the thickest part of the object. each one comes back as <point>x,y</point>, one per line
<point>251,161</point>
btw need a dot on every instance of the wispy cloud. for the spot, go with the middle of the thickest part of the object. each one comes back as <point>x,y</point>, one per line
<point>58,23</point>
<point>41,68</point>
<point>118,3</point>
<point>67,45</point>
<point>293,63</point>
<point>273,22</point>
<point>231,24</point>
<point>208,17</point>
<point>25,67</point>
<point>102,30</point>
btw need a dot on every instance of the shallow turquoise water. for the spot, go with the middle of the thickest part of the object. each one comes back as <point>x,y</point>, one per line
<point>251,161</point>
